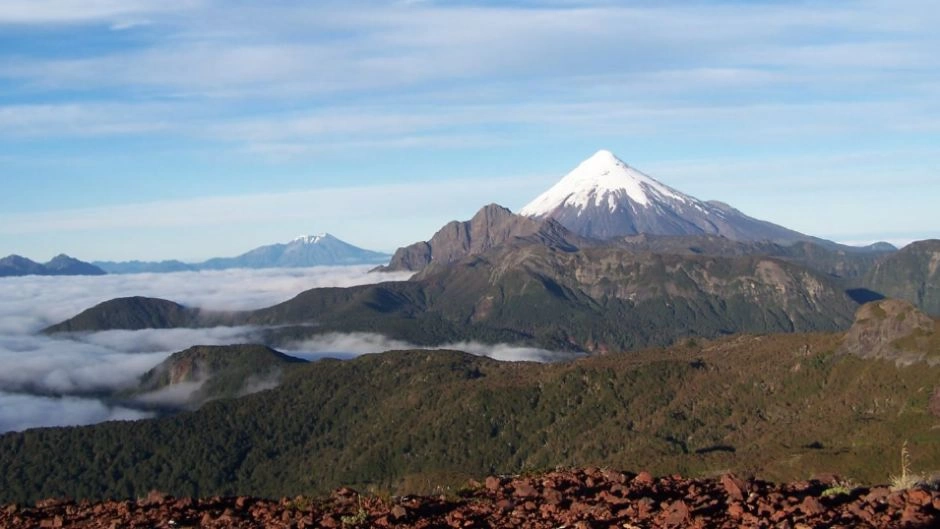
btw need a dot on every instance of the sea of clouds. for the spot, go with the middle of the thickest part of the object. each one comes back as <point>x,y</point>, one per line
<point>60,380</point>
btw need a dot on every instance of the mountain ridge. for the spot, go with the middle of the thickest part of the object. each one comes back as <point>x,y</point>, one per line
<point>61,265</point>
<point>593,299</point>
<point>303,251</point>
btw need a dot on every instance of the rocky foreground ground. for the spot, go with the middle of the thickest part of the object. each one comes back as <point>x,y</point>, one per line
<point>572,498</point>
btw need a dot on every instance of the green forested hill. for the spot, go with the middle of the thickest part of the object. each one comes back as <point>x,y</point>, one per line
<point>215,371</point>
<point>780,406</point>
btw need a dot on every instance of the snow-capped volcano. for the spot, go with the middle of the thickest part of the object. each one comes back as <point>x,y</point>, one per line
<point>306,250</point>
<point>603,198</point>
<point>599,180</point>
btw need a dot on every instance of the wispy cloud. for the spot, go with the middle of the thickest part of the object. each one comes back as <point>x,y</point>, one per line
<point>83,120</point>
<point>83,11</point>
<point>198,88</point>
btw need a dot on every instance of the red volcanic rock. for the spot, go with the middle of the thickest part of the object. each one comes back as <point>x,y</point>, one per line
<point>524,489</point>
<point>918,497</point>
<point>552,496</point>
<point>492,483</point>
<point>590,498</point>
<point>811,506</point>
<point>677,514</point>
<point>643,478</point>
<point>154,497</point>
<point>398,513</point>
<point>914,517</point>
<point>733,486</point>
<point>877,494</point>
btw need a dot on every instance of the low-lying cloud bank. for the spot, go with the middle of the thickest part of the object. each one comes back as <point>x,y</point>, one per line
<point>347,345</point>
<point>55,380</point>
<point>97,362</point>
<point>31,303</point>
<point>19,412</point>
<point>49,381</point>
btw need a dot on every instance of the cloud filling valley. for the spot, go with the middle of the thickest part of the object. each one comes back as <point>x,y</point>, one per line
<point>60,380</point>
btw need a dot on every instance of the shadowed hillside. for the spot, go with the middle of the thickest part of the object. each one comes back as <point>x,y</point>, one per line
<point>599,299</point>
<point>912,274</point>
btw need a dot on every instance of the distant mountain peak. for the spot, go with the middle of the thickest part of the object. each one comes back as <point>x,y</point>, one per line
<point>321,249</point>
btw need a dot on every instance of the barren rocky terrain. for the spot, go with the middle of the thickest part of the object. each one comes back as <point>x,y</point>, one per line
<point>582,498</point>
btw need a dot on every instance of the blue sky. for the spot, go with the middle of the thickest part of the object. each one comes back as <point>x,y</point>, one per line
<point>197,128</point>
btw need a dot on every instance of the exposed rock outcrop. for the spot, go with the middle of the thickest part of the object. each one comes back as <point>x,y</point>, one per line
<point>201,373</point>
<point>895,330</point>
<point>492,226</point>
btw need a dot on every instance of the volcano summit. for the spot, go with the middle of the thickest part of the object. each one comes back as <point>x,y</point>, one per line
<point>603,198</point>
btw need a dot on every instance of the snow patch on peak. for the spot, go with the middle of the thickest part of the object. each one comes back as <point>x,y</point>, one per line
<point>311,239</point>
<point>602,180</point>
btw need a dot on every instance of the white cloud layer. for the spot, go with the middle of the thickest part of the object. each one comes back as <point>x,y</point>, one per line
<point>19,412</point>
<point>346,345</point>
<point>38,369</point>
<point>30,303</point>
<point>53,380</point>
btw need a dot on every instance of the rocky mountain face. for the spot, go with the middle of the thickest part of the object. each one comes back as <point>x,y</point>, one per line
<point>60,265</point>
<point>912,273</point>
<point>596,299</point>
<point>201,373</point>
<point>492,226</point>
<point>607,299</point>
<point>844,263</point>
<point>304,251</point>
<point>604,198</point>
<point>894,330</point>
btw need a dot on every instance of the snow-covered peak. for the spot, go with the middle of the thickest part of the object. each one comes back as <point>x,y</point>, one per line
<point>311,239</point>
<point>601,179</point>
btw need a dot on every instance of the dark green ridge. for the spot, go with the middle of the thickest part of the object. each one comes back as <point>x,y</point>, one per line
<point>782,407</point>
